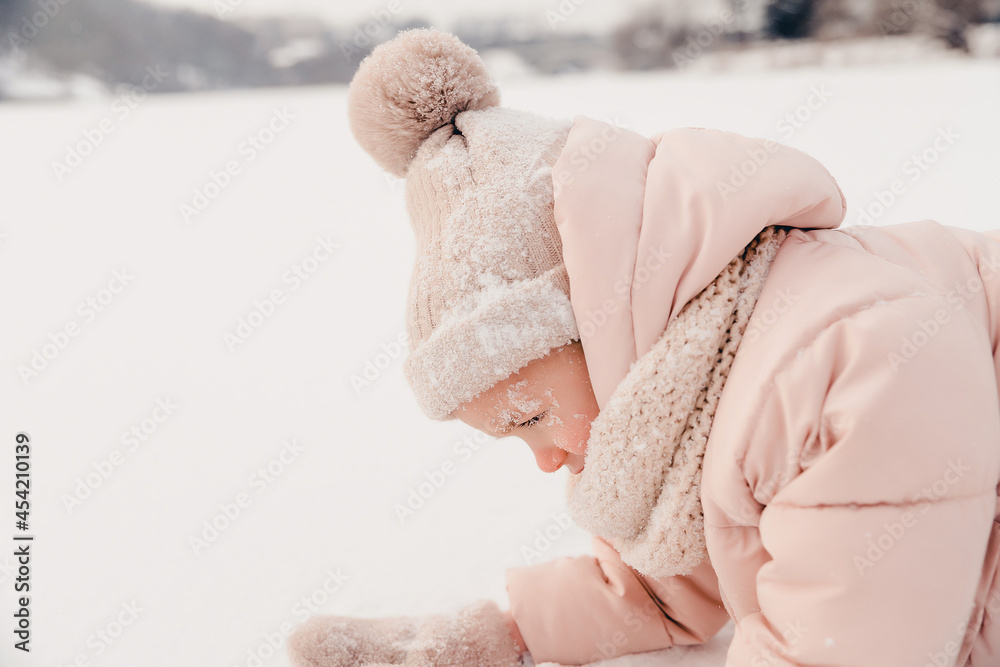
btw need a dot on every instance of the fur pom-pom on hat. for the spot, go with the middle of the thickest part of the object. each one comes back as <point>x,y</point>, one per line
<point>407,88</point>
<point>489,291</point>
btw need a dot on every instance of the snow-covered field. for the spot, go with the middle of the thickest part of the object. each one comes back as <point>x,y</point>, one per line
<point>199,330</point>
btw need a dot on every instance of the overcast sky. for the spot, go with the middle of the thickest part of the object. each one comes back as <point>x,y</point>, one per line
<point>580,14</point>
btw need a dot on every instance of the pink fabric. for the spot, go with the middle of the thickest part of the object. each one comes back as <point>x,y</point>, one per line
<point>850,481</point>
<point>589,608</point>
<point>644,227</point>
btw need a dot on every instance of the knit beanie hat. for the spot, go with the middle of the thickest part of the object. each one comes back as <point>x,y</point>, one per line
<point>489,291</point>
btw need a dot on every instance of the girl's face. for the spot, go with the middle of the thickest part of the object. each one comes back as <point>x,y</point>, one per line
<point>549,404</point>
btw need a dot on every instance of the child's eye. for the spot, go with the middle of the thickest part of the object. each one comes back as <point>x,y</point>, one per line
<point>534,420</point>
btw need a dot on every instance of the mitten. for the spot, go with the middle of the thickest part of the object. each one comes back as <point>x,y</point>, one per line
<point>477,636</point>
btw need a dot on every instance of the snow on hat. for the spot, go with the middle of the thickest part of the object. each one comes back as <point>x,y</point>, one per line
<point>489,291</point>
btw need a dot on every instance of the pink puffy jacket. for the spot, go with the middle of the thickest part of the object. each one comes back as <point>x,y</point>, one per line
<point>850,482</point>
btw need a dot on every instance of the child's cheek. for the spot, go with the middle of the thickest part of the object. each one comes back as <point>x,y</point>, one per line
<point>572,436</point>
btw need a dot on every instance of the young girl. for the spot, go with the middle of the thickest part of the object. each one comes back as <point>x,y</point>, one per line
<point>765,417</point>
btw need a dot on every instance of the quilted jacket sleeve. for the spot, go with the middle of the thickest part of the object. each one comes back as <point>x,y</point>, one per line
<point>876,547</point>
<point>589,608</point>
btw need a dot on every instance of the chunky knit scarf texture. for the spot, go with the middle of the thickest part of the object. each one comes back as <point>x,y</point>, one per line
<point>641,486</point>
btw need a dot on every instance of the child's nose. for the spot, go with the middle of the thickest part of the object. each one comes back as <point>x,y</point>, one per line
<point>549,458</point>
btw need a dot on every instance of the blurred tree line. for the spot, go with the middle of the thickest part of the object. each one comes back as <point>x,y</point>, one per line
<point>943,19</point>
<point>669,35</point>
<point>117,41</point>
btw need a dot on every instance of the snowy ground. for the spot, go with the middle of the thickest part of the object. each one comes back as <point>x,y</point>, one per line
<point>114,514</point>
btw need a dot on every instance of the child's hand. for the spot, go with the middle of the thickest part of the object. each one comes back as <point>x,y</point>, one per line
<point>478,636</point>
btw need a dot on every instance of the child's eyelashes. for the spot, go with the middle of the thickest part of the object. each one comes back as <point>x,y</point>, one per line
<point>534,420</point>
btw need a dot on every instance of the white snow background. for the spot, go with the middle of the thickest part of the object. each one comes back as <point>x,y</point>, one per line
<point>326,517</point>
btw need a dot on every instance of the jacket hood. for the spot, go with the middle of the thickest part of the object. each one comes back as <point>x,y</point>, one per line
<point>647,223</point>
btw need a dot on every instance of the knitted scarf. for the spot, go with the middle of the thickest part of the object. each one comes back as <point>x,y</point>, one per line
<point>641,486</point>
